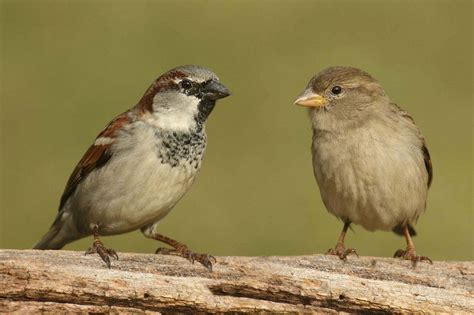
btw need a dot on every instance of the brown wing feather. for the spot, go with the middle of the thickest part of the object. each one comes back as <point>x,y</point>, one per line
<point>424,148</point>
<point>95,157</point>
<point>428,165</point>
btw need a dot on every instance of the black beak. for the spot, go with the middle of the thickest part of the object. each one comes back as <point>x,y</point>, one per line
<point>214,90</point>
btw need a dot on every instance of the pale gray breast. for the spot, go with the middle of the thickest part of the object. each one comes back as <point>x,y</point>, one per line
<point>373,174</point>
<point>148,173</point>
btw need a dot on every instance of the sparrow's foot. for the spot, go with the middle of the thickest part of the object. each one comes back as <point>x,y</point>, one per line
<point>410,254</point>
<point>104,252</point>
<point>183,251</point>
<point>341,252</point>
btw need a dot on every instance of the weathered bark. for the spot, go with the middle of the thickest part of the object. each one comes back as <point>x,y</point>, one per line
<point>64,281</point>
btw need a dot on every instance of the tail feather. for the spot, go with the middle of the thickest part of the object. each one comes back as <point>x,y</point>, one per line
<point>399,230</point>
<point>48,240</point>
<point>57,236</point>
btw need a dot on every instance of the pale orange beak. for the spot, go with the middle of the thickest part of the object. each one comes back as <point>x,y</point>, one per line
<point>310,99</point>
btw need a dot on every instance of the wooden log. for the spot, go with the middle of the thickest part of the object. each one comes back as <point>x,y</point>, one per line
<point>66,281</point>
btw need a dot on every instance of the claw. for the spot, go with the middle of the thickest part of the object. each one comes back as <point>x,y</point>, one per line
<point>106,259</point>
<point>421,258</point>
<point>410,254</point>
<point>89,251</point>
<point>179,249</point>
<point>163,251</point>
<point>112,253</point>
<point>104,252</point>
<point>204,259</point>
<point>212,259</point>
<point>341,252</point>
<point>350,251</point>
<point>206,262</point>
<point>400,253</point>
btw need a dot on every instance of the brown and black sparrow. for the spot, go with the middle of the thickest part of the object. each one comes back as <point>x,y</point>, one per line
<point>370,160</point>
<point>140,166</point>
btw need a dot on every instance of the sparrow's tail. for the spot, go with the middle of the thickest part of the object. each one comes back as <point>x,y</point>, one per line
<point>399,230</point>
<point>57,236</point>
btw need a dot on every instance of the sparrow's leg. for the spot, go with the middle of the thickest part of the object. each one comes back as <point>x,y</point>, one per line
<point>410,252</point>
<point>99,248</point>
<point>179,249</point>
<point>340,250</point>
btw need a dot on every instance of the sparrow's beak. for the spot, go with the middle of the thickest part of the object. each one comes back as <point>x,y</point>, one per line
<point>214,90</point>
<point>310,99</point>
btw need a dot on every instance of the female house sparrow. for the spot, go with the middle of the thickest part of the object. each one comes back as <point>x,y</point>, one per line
<point>140,166</point>
<point>369,158</point>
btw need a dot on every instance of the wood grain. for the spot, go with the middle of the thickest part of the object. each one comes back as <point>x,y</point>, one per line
<point>66,281</point>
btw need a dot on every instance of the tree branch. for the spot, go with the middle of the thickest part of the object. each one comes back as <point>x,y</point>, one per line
<point>65,281</point>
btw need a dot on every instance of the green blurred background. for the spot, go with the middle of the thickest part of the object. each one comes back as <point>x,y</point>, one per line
<point>68,67</point>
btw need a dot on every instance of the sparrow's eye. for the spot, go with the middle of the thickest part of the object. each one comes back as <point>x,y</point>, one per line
<point>336,90</point>
<point>186,84</point>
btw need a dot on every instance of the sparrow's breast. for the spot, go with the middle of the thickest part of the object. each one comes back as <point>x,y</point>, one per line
<point>149,172</point>
<point>371,176</point>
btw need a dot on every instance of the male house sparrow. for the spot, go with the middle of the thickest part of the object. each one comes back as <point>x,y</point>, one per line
<point>140,166</point>
<point>369,158</point>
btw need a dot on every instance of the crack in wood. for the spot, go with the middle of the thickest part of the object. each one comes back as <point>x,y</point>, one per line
<point>62,281</point>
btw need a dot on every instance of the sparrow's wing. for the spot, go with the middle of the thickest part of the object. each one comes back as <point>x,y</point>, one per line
<point>95,157</point>
<point>428,164</point>
<point>424,149</point>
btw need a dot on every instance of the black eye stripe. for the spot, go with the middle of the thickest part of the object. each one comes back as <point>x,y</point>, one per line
<point>191,88</point>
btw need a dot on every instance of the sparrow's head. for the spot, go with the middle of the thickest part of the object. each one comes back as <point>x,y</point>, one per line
<point>341,90</point>
<point>182,98</point>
